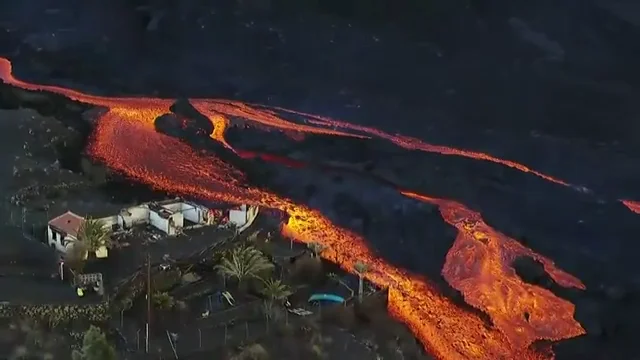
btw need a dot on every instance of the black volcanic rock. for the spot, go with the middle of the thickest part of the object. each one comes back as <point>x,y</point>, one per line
<point>530,270</point>
<point>171,125</point>
<point>192,117</point>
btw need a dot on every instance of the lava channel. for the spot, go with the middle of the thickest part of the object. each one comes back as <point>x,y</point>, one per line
<point>478,265</point>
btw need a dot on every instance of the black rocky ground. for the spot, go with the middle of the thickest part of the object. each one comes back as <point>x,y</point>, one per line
<point>552,84</point>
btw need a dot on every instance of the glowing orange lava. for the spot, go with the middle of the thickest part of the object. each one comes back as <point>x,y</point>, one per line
<point>478,265</point>
<point>632,205</point>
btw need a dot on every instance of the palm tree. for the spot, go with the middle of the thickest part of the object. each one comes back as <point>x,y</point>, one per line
<point>244,263</point>
<point>316,248</point>
<point>276,290</point>
<point>360,268</point>
<point>94,234</point>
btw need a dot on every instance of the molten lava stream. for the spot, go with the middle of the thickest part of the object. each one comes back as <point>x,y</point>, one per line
<point>216,110</point>
<point>477,265</point>
<point>446,330</point>
<point>632,205</point>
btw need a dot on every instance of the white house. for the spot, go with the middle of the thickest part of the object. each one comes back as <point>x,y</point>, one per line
<point>191,212</point>
<point>169,216</point>
<point>242,215</point>
<point>63,230</point>
<point>165,219</point>
<point>62,233</point>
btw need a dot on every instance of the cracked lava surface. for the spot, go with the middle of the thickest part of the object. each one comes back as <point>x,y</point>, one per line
<point>478,264</point>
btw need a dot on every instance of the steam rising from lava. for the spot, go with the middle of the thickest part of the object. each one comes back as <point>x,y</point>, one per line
<point>478,264</point>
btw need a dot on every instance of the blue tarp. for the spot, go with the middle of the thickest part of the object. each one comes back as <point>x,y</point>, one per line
<point>326,297</point>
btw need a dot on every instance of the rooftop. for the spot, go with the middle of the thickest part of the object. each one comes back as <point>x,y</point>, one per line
<point>69,223</point>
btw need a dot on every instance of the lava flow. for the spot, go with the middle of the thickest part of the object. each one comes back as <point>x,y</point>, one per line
<point>632,205</point>
<point>478,265</point>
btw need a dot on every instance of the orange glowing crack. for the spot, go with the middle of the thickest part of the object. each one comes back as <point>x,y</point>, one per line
<point>478,264</point>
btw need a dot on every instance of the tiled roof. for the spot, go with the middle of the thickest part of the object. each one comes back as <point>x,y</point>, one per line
<point>69,223</point>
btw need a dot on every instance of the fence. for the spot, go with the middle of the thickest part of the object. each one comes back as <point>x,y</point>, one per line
<point>170,345</point>
<point>242,324</point>
<point>241,333</point>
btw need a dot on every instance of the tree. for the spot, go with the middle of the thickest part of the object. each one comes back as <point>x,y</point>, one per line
<point>360,268</point>
<point>163,301</point>
<point>94,234</point>
<point>244,263</point>
<point>276,290</point>
<point>316,248</point>
<point>95,347</point>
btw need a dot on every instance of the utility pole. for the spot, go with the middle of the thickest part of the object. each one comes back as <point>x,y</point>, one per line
<point>148,301</point>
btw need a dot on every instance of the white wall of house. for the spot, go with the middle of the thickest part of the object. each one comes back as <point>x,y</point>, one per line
<point>238,216</point>
<point>164,224</point>
<point>109,221</point>
<point>176,223</point>
<point>192,213</point>
<point>58,241</point>
<point>54,239</point>
<point>134,215</point>
<point>158,221</point>
<point>51,239</point>
<point>173,207</point>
